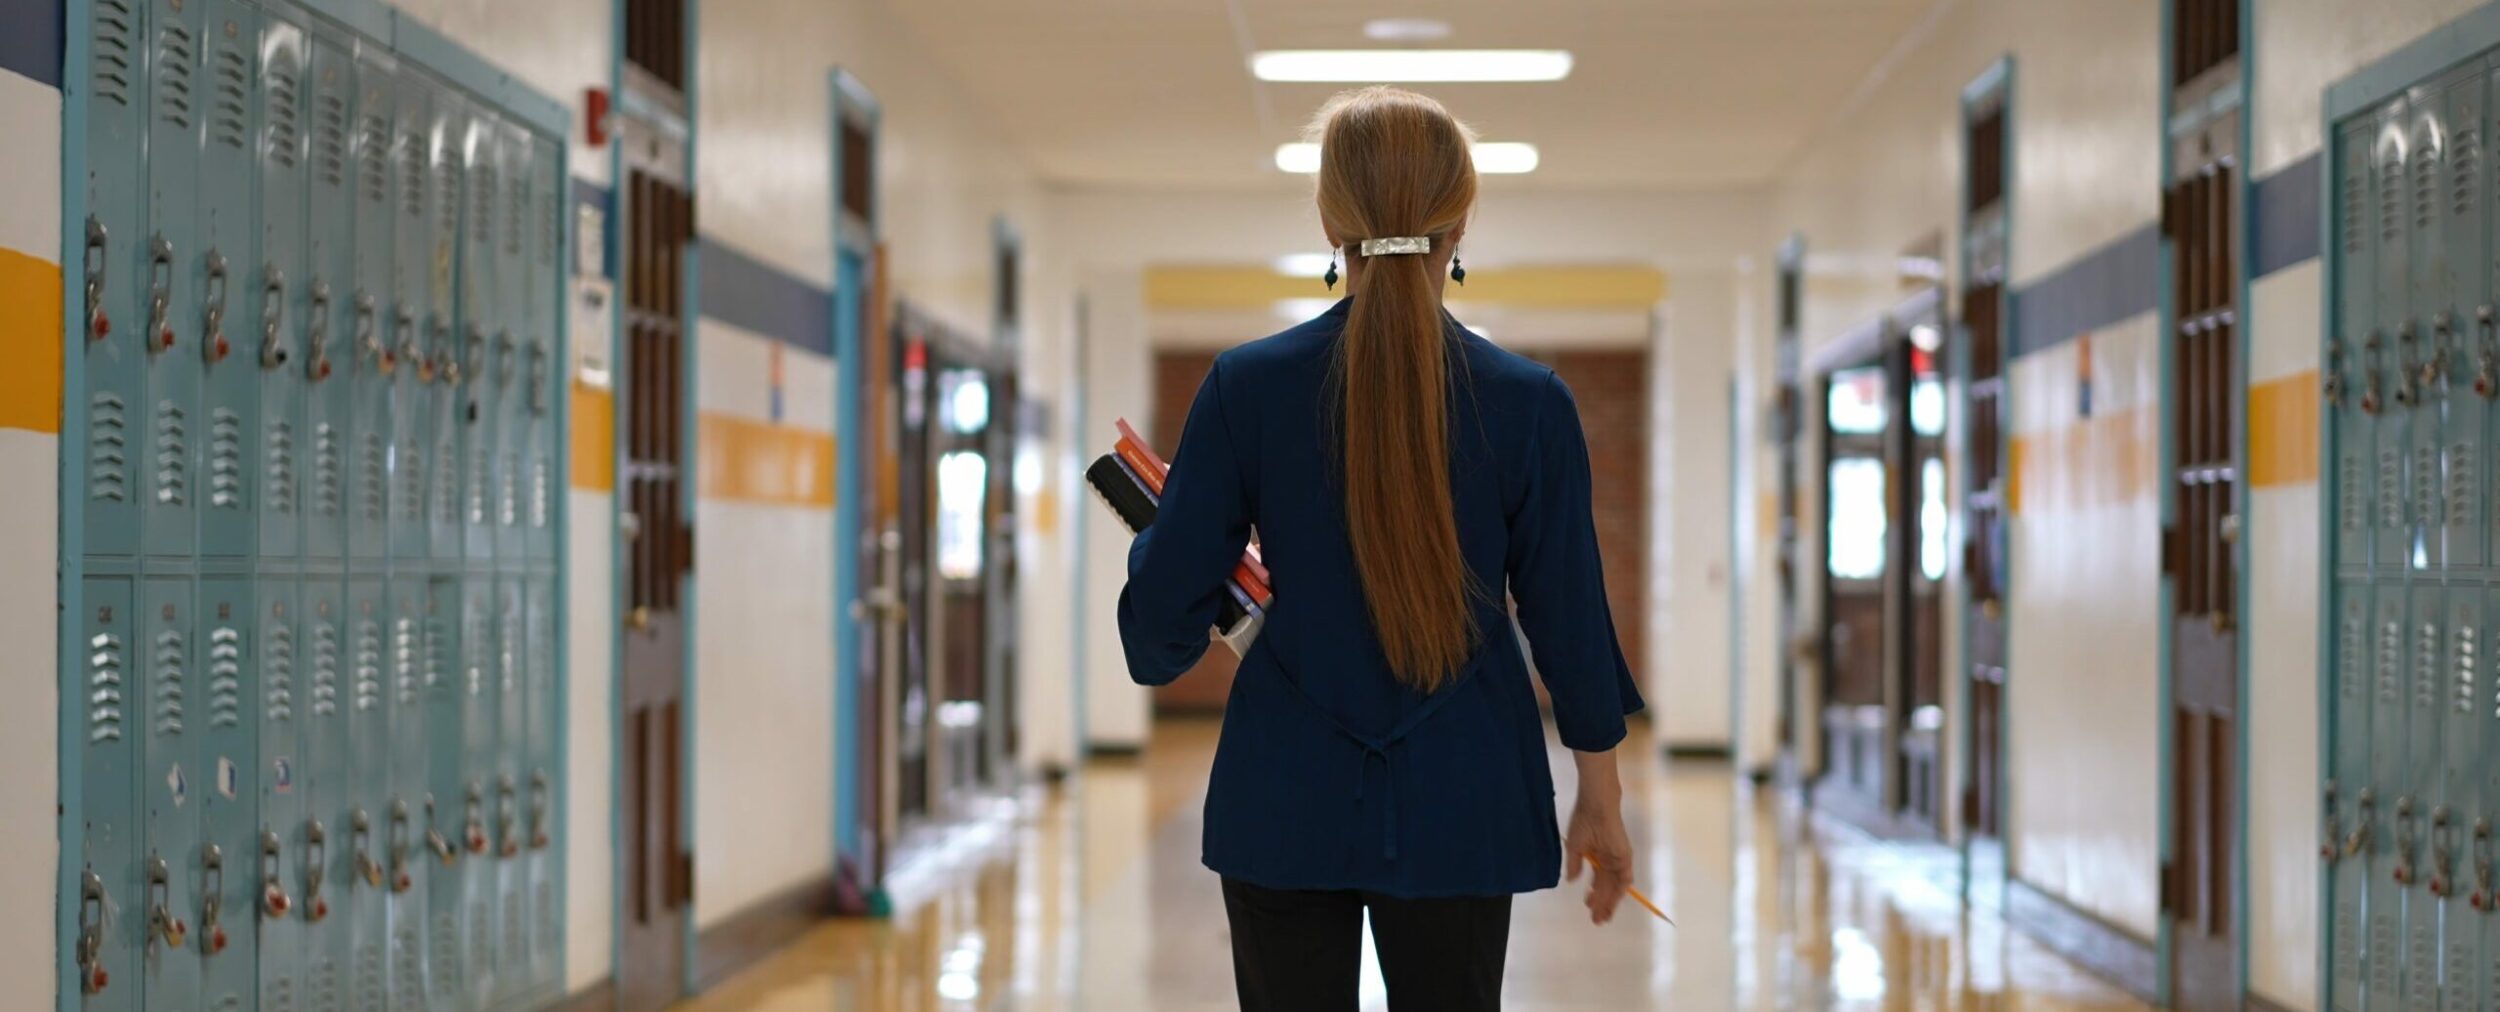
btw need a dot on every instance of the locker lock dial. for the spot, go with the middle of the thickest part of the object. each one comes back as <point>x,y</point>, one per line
<point>162,924</point>
<point>317,333</point>
<point>316,864</point>
<point>272,313</point>
<point>212,900</point>
<point>91,916</point>
<point>213,340</point>
<point>360,837</point>
<point>273,897</point>
<point>99,326</point>
<point>160,294</point>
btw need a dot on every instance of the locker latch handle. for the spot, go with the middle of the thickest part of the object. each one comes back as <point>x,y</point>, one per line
<point>456,368</point>
<point>539,796</point>
<point>2328,849</point>
<point>2406,395</point>
<point>2359,839</point>
<point>397,842</point>
<point>434,839</point>
<point>360,839</point>
<point>368,336</point>
<point>213,331</point>
<point>473,830</point>
<point>317,333</point>
<point>272,315</point>
<point>508,816</point>
<point>2482,898</point>
<point>273,898</point>
<point>212,900</point>
<point>537,378</point>
<point>160,294</point>
<point>98,262</point>
<point>93,911</point>
<point>404,329</point>
<point>2442,854</point>
<point>504,349</point>
<point>2435,365</point>
<point>162,923</point>
<point>2331,386</point>
<point>316,870</point>
<point>474,354</point>
<point>2371,346</point>
<point>2404,840</point>
<point>2486,356</point>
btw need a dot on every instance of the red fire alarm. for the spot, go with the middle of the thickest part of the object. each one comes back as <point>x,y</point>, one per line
<point>595,117</point>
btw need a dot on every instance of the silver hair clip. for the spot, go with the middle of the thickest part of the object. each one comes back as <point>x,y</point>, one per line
<point>1401,244</point>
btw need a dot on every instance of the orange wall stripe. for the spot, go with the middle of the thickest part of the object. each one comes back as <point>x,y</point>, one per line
<point>2283,431</point>
<point>2099,461</point>
<point>594,439</point>
<point>743,460</point>
<point>30,320</point>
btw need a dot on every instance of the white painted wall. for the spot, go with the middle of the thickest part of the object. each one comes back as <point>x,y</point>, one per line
<point>30,232</point>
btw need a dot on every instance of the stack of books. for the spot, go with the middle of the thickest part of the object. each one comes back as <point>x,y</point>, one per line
<point>1130,480</point>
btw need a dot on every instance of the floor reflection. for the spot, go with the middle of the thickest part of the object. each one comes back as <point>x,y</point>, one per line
<point>1095,900</point>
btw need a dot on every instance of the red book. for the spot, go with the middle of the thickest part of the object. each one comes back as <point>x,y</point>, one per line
<point>1251,573</point>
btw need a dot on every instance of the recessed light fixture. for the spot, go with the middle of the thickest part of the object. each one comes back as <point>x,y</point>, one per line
<point>1411,65</point>
<point>1493,158</point>
<point>1407,29</point>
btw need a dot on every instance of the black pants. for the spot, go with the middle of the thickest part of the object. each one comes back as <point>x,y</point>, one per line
<point>1296,951</point>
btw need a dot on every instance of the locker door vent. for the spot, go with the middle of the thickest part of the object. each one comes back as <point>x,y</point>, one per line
<point>516,216</point>
<point>473,653</point>
<point>230,115</point>
<point>369,990</point>
<point>412,482</point>
<point>2464,157</point>
<point>329,147</point>
<point>281,496</point>
<point>404,660</point>
<point>326,479</point>
<point>104,688</point>
<point>225,677</point>
<point>2390,647</point>
<point>285,137</point>
<point>412,174</point>
<point>2426,668</point>
<point>482,216</point>
<point>446,494</point>
<point>513,927</point>
<point>374,177</point>
<point>408,990</point>
<point>322,985</point>
<point>108,450</point>
<point>539,482</point>
<point>278,665</point>
<point>374,460</point>
<point>507,495</point>
<point>279,995</point>
<point>168,713</point>
<point>549,919</point>
<point>506,659</point>
<point>368,672</point>
<point>2348,223</point>
<point>113,26</point>
<point>447,195</point>
<point>173,454</point>
<point>325,670</point>
<point>477,483</point>
<point>446,977</point>
<point>2348,491</point>
<point>430,651</point>
<point>225,459</point>
<point>173,73</point>
<point>2350,665</point>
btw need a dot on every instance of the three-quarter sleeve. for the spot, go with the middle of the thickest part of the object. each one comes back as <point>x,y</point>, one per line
<point>1559,584</point>
<point>1178,567</point>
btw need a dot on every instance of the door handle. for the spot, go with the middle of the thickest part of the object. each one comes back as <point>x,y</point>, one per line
<point>316,865</point>
<point>397,841</point>
<point>92,907</point>
<point>360,839</point>
<point>639,618</point>
<point>508,816</point>
<point>2404,840</point>
<point>540,793</point>
<point>163,924</point>
<point>160,294</point>
<point>473,831</point>
<point>272,314</point>
<point>213,344</point>
<point>212,900</point>
<point>317,333</point>
<point>434,839</point>
<point>98,263</point>
<point>273,897</point>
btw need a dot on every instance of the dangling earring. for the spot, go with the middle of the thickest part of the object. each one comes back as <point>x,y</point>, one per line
<point>1331,276</point>
<point>1458,271</point>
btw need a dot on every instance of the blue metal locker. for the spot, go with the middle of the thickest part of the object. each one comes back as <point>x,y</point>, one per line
<point>480,317</point>
<point>2395,555</point>
<point>327,296</point>
<point>106,950</point>
<point>170,899</point>
<point>2457,206</point>
<point>375,313</point>
<point>114,264</point>
<point>175,274</point>
<point>496,746</point>
<point>228,790</point>
<point>376,872</point>
<point>545,948</point>
<point>410,836</point>
<point>543,372</point>
<point>513,277</point>
<point>277,860</point>
<point>229,235</point>
<point>454,814</point>
<point>411,318</point>
<point>2355,393</point>
<point>327,892</point>
<point>441,401</point>
<point>280,316</point>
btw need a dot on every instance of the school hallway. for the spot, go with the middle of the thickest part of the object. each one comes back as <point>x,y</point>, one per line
<point>1093,898</point>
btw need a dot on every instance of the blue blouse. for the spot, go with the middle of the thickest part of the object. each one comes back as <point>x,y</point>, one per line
<point>1330,773</point>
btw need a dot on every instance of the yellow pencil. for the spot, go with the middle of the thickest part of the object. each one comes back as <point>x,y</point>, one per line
<point>1634,893</point>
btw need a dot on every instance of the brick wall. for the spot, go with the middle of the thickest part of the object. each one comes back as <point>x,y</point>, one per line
<point>1612,387</point>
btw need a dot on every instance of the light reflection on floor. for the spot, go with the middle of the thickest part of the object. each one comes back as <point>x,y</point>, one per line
<point>1096,901</point>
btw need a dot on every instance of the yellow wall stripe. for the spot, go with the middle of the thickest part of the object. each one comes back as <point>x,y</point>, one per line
<point>743,460</point>
<point>594,439</point>
<point>1597,286</point>
<point>30,321</point>
<point>2283,431</point>
<point>2097,461</point>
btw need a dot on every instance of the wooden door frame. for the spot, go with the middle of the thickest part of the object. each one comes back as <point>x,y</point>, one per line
<point>1993,86</point>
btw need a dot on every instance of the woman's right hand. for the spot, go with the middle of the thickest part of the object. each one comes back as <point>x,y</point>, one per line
<point>1596,839</point>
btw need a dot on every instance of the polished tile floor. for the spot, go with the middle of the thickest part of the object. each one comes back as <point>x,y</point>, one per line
<point>1094,900</point>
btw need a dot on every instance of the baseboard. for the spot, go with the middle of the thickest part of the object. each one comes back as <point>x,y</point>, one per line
<point>2260,1003</point>
<point>761,929</point>
<point>2113,953</point>
<point>1115,750</point>
<point>599,997</point>
<point>1696,752</point>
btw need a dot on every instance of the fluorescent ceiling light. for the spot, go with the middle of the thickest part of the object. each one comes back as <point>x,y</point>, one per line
<point>1492,157</point>
<point>1411,65</point>
<point>1407,29</point>
<point>1303,265</point>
